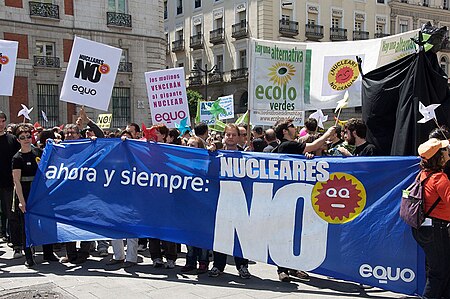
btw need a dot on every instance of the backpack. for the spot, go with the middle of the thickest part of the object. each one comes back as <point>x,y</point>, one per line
<point>412,205</point>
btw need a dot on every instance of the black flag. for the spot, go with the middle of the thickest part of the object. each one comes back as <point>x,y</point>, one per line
<point>390,102</point>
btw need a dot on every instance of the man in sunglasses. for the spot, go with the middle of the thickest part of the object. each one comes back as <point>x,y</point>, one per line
<point>286,133</point>
<point>8,147</point>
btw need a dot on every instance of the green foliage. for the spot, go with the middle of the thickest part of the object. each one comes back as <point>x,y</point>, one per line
<point>193,98</point>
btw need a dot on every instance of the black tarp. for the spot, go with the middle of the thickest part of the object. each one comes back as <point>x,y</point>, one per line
<point>390,102</point>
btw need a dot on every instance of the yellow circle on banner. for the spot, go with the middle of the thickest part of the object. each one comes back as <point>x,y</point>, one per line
<point>343,74</point>
<point>340,199</point>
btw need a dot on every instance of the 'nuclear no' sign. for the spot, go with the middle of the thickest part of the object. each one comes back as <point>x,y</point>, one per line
<point>104,121</point>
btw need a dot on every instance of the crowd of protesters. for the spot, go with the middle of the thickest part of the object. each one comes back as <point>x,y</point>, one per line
<point>21,147</point>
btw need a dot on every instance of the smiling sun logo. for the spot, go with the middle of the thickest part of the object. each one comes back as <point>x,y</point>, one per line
<point>281,73</point>
<point>3,59</point>
<point>104,69</point>
<point>343,74</point>
<point>340,199</point>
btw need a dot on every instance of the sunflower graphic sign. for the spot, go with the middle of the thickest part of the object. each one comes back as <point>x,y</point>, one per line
<point>278,75</point>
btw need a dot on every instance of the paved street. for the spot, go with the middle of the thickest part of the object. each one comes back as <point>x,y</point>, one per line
<point>93,280</point>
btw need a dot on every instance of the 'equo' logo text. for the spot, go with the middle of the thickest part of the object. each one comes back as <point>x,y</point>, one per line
<point>343,74</point>
<point>386,274</point>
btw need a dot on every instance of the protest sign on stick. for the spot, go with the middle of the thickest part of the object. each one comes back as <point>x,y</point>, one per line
<point>166,91</point>
<point>104,121</point>
<point>8,57</point>
<point>91,74</point>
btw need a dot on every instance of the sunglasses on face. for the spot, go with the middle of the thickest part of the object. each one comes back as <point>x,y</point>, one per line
<point>24,137</point>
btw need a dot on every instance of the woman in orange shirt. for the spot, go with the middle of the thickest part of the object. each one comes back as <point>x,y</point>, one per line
<point>433,235</point>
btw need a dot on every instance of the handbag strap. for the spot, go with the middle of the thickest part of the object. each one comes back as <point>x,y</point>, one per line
<point>422,183</point>
<point>432,207</point>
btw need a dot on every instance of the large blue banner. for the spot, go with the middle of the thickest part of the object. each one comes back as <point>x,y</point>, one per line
<point>333,216</point>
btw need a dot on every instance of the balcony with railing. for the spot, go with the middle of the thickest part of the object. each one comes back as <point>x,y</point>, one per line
<point>338,34</point>
<point>215,77</point>
<point>445,46</point>
<point>195,79</point>
<point>125,67</point>
<point>216,36</point>
<point>380,35</point>
<point>239,30</point>
<point>288,28</point>
<point>44,10</point>
<point>197,41</point>
<point>46,62</point>
<point>238,74</point>
<point>313,32</point>
<point>118,19</point>
<point>178,46</point>
<point>360,35</point>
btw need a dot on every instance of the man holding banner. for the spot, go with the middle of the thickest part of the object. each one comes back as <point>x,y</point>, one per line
<point>286,132</point>
<point>220,259</point>
<point>72,132</point>
<point>8,147</point>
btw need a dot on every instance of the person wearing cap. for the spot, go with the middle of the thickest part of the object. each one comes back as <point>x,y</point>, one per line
<point>433,235</point>
<point>442,133</point>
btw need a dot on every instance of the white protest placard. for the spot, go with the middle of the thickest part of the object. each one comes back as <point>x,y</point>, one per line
<point>166,91</point>
<point>227,103</point>
<point>8,58</point>
<point>104,121</point>
<point>277,81</point>
<point>288,77</point>
<point>90,74</point>
<point>205,115</point>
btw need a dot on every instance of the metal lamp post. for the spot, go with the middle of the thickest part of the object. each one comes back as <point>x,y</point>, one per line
<point>206,71</point>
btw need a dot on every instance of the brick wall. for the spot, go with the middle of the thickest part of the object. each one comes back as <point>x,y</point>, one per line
<point>20,96</point>
<point>23,43</point>
<point>68,7</point>
<point>67,48</point>
<point>14,3</point>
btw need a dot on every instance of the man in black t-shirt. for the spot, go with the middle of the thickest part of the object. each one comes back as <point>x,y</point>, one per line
<point>8,147</point>
<point>355,134</point>
<point>286,133</point>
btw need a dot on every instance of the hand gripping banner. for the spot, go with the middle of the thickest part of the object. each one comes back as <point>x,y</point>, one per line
<point>333,216</point>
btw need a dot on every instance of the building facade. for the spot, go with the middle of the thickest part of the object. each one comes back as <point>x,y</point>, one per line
<point>216,33</point>
<point>411,14</point>
<point>209,33</point>
<point>45,31</point>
